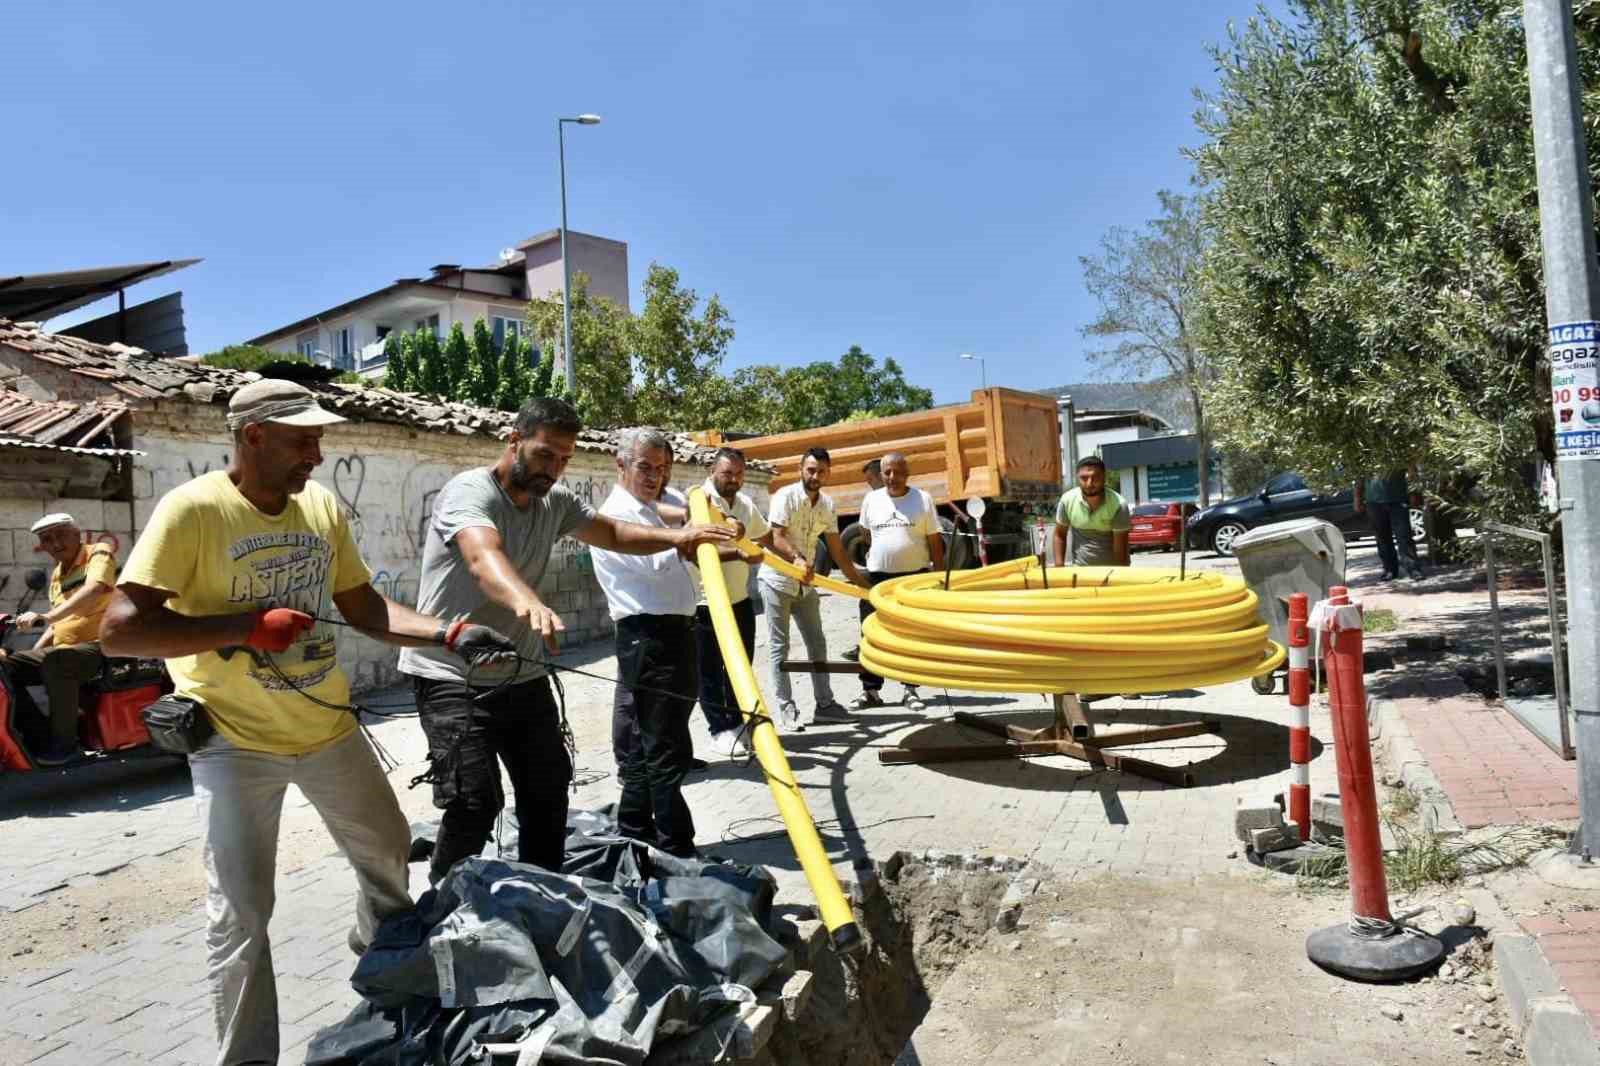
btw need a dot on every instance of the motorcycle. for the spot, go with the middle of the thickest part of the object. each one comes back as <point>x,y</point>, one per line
<point>110,725</point>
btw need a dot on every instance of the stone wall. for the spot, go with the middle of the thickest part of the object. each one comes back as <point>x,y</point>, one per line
<point>386,476</point>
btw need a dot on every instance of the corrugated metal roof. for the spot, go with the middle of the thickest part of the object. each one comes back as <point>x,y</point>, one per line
<point>33,445</point>
<point>45,296</point>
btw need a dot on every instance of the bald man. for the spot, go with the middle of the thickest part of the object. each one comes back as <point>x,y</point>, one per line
<point>902,528</point>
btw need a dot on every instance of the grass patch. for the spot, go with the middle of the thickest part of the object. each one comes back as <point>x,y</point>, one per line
<point>1380,620</point>
<point>1403,802</point>
<point>1424,859</point>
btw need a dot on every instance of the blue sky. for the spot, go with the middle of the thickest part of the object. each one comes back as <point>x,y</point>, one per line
<point>919,179</point>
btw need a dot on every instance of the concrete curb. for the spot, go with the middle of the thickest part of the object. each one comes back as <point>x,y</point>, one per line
<point>1392,738</point>
<point>1555,1032</point>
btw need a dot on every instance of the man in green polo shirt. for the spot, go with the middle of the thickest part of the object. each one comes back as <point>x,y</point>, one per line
<point>1097,518</point>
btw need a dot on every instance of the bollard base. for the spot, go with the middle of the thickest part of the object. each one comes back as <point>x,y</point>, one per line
<point>1392,958</point>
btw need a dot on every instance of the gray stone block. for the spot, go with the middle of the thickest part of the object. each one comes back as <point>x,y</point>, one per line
<point>1248,819</point>
<point>1558,1034</point>
<point>790,999</point>
<point>1525,976</point>
<point>1276,838</point>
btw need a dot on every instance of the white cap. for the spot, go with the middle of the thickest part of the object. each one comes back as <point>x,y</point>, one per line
<point>60,518</point>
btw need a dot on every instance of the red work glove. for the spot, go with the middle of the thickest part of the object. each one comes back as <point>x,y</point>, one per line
<point>278,628</point>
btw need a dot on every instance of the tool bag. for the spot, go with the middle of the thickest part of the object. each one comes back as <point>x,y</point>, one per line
<point>178,724</point>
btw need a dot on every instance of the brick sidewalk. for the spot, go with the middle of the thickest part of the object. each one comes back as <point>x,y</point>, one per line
<point>1493,769</point>
<point>1571,944</point>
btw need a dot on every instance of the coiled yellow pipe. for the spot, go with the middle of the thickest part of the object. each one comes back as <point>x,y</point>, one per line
<point>1015,627</point>
<point>832,906</point>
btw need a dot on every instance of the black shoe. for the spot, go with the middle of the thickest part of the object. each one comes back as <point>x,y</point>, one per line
<point>854,655</point>
<point>691,764</point>
<point>54,756</point>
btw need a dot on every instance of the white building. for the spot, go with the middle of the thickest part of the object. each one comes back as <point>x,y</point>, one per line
<point>350,336</point>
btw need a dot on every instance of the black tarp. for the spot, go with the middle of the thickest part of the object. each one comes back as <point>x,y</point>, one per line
<point>627,946</point>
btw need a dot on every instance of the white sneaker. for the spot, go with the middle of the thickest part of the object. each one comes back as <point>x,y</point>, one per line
<point>789,720</point>
<point>730,743</point>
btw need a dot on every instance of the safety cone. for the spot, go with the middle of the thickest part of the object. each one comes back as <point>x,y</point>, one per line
<point>1371,946</point>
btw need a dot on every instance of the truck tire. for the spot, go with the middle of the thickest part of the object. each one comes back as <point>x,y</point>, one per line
<point>821,561</point>
<point>957,550</point>
<point>854,539</point>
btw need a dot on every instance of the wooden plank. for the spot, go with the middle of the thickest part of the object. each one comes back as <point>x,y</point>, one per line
<point>1157,733</point>
<point>806,666</point>
<point>955,470</point>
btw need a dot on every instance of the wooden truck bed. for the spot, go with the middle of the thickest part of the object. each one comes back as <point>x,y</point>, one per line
<point>1002,445</point>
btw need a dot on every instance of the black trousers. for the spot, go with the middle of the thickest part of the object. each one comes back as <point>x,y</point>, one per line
<point>656,660</point>
<point>520,726</point>
<point>1397,549</point>
<point>871,682</point>
<point>61,669</point>
<point>717,701</point>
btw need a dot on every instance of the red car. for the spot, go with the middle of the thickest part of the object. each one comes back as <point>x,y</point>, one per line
<point>1157,525</point>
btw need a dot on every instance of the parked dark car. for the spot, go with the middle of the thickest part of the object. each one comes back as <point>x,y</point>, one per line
<point>1282,498</point>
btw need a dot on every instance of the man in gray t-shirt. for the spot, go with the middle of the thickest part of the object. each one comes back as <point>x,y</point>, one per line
<point>488,545</point>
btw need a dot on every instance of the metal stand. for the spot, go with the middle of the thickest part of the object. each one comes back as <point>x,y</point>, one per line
<point>1071,734</point>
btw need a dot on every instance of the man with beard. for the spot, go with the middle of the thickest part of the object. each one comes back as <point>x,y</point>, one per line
<point>1097,519</point>
<point>487,547</point>
<point>233,582</point>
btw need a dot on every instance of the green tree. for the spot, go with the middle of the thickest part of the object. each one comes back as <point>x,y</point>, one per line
<point>457,362</point>
<point>432,377</point>
<point>604,364</point>
<point>513,381</point>
<point>480,376</point>
<point>249,357</point>
<point>399,362</point>
<point>1372,291</point>
<point>677,353</point>
<point>1146,284</point>
<point>545,380</point>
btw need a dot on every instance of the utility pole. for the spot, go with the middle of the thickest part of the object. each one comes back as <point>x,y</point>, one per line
<point>1572,299</point>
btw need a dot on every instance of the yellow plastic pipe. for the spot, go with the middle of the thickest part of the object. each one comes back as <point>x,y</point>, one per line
<point>832,906</point>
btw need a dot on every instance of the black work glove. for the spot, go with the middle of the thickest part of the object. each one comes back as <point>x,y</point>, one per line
<point>478,644</point>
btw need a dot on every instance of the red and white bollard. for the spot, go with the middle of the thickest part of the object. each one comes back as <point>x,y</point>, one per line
<point>1370,947</point>
<point>1300,707</point>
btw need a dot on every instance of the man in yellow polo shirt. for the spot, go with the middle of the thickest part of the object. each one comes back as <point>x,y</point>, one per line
<point>68,654</point>
<point>234,582</point>
<point>1096,518</point>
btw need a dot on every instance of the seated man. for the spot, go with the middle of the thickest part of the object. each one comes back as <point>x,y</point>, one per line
<point>68,654</point>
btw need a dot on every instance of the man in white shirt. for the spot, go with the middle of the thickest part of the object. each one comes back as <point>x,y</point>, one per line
<point>903,537</point>
<point>652,600</point>
<point>800,514</point>
<point>717,700</point>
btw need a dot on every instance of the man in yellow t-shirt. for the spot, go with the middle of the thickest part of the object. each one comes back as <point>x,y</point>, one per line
<point>68,654</point>
<point>233,582</point>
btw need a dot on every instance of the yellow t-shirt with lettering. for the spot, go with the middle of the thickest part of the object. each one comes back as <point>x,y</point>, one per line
<point>94,563</point>
<point>218,554</point>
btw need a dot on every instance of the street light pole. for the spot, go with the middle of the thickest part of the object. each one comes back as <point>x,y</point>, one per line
<point>983,368</point>
<point>568,362</point>
<point>1572,299</point>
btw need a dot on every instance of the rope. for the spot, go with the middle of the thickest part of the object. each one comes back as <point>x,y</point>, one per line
<point>1378,928</point>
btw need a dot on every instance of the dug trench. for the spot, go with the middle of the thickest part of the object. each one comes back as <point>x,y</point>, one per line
<point>970,963</point>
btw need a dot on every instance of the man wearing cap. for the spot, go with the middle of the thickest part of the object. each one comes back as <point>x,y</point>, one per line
<point>68,654</point>
<point>487,548</point>
<point>233,582</point>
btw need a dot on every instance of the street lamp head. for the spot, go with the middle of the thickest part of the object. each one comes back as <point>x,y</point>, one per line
<point>588,120</point>
<point>968,355</point>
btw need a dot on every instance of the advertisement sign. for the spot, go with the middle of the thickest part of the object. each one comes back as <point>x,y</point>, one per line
<point>1177,482</point>
<point>1575,390</point>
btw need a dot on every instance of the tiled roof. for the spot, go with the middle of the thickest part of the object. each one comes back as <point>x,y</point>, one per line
<point>79,428</point>
<point>139,375</point>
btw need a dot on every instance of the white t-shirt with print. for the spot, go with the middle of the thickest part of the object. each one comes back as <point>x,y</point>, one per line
<point>900,528</point>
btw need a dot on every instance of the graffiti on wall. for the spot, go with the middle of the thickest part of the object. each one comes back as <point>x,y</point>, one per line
<point>349,477</point>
